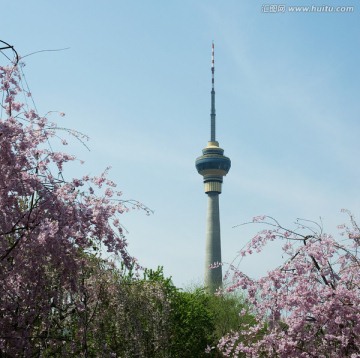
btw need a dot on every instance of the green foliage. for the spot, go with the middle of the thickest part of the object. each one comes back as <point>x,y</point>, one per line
<point>192,322</point>
<point>198,319</point>
<point>113,312</point>
<point>227,313</point>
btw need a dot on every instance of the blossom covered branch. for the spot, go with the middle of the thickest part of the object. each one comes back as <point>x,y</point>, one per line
<point>307,307</point>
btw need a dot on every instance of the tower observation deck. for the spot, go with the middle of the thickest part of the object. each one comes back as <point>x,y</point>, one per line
<point>213,165</point>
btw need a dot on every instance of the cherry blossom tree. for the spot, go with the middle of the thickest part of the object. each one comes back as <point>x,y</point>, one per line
<point>310,305</point>
<point>48,225</point>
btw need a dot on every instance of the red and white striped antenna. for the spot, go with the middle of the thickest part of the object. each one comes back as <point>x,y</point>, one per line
<point>213,62</point>
<point>212,113</point>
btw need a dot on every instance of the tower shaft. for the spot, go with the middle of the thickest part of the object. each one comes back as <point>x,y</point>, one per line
<point>213,276</point>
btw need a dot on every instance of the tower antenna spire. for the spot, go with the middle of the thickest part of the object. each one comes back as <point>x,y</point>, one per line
<point>213,113</point>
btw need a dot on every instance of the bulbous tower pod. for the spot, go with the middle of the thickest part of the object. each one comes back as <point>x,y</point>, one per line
<point>213,166</point>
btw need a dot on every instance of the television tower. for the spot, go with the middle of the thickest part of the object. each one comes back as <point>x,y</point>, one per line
<point>213,166</point>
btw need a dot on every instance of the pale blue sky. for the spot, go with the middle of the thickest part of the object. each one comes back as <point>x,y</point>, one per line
<point>137,80</point>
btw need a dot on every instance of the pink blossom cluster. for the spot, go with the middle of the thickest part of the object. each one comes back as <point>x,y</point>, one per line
<point>45,221</point>
<point>307,307</point>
